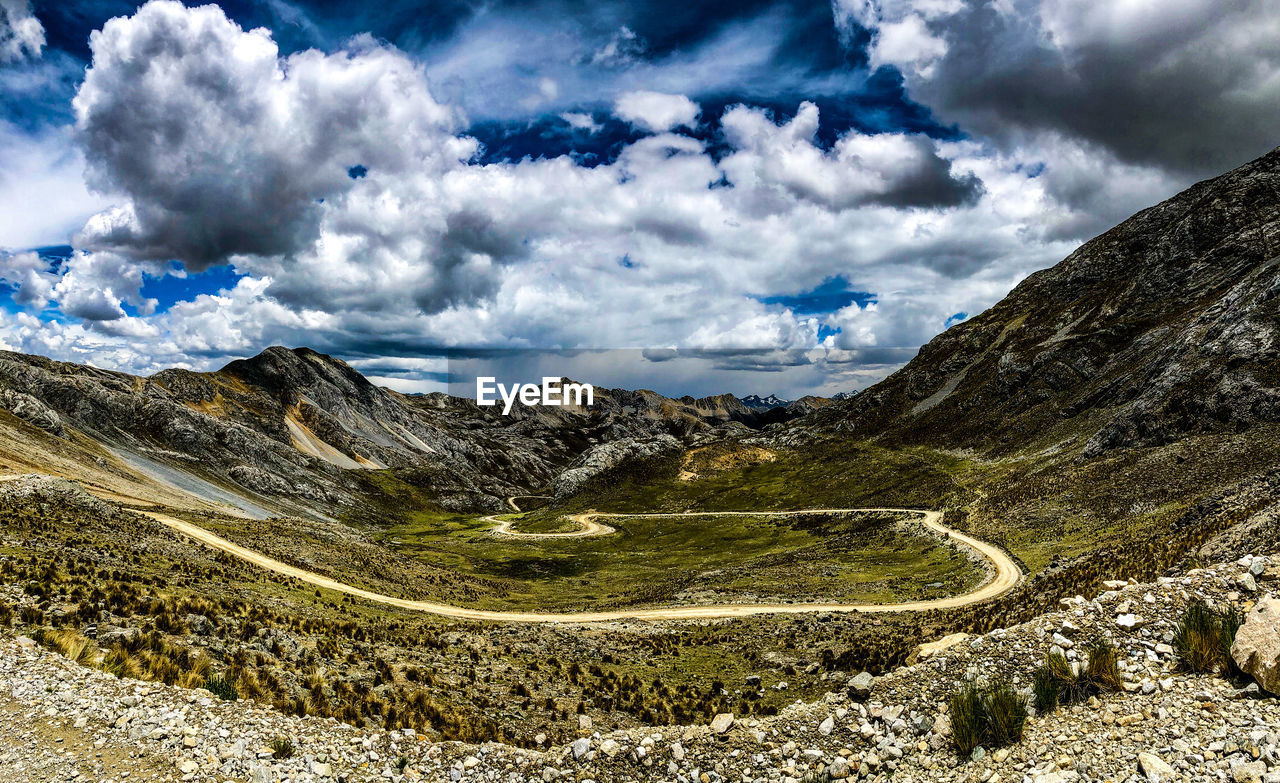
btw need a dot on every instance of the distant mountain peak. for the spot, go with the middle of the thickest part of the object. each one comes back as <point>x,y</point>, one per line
<point>763,403</point>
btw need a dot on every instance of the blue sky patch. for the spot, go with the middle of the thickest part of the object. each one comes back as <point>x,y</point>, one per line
<point>834,294</point>
<point>170,289</point>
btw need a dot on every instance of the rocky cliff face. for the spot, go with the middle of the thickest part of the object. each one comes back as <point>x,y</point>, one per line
<point>290,429</point>
<point>1162,327</point>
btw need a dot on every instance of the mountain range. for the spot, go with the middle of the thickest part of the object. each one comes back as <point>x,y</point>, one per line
<point>1162,328</point>
<point>290,431</point>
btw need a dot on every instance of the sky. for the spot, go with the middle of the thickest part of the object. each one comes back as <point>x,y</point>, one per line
<point>799,193</point>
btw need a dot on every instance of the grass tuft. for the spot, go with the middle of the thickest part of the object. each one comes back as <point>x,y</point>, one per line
<point>73,645</point>
<point>966,719</point>
<point>1230,622</point>
<point>1045,687</point>
<point>282,748</point>
<point>992,716</point>
<point>1203,639</point>
<point>1103,670</point>
<point>219,686</point>
<point>1005,711</point>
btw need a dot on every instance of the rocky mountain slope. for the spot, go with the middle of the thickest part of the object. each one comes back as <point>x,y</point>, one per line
<point>289,430</point>
<point>1164,326</point>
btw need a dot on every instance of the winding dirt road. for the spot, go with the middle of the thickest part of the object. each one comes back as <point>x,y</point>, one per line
<point>1004,577</point>
<point>587,526</point>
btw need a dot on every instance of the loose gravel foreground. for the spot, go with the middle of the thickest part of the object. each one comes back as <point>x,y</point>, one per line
<point>62,722</point>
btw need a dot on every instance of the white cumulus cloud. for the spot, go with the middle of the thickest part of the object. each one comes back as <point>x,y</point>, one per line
<point>21,34</point>
<point>655,111</point>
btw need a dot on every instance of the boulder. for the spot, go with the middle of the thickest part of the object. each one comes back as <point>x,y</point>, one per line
<point>1257,646</point>
<point>861,685</point>
<point>129,637</point>
<point>930,649</point>
<point>722,722</point>
<point>1155,768</point>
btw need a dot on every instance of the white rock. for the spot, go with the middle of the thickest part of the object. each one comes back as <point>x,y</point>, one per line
<point>1156,770</point>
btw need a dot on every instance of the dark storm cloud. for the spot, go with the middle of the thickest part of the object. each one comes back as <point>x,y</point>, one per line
<point>1192,86</point>
<point>931,184</point>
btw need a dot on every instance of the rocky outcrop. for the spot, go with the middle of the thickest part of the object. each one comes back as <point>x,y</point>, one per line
<point>1257,646</point>
<point>608,456</point>
<point>55,490</point>
<point>32,411</point>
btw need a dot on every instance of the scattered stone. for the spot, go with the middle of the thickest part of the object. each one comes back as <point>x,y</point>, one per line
<point>1129,621</point>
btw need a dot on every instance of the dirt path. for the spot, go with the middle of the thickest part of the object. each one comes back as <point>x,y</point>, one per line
<point>1005,575</point>
<point>587,526</point>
